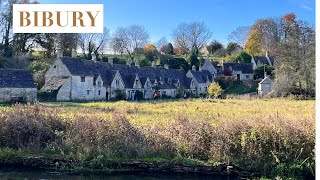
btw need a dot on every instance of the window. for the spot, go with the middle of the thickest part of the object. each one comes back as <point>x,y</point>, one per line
<point>117,83</point>
<point>83,79</point>
<point>164,92</point>
<point>88,92</point>
<point>247,76</point>
<point>54,66</point>
<point>99,92</point>
<point>99,83</point>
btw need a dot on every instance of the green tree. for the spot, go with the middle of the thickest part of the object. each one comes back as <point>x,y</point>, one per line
<point>167,49</point>
<point>243,57</point>
<point>214,90</point>
<point>232,48</point>
<point>259,72</point>
<point>193,60</point>
<point>214,46</point>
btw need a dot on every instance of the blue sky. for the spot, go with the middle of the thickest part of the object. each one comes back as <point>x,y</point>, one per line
<point>221,16</point>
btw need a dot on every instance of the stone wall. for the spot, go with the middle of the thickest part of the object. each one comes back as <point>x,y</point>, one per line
<point>27,94</point>
<point>58,69</point>
<point>264,89</point>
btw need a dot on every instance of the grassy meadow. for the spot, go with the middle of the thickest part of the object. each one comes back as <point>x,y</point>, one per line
<point>275,137</point>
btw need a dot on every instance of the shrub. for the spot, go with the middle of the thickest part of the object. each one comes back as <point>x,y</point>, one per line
<point>214,90</point>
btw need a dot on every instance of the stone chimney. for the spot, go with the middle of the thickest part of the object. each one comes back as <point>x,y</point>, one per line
<point>137,64</point>
<point>59,52</point>
<point>166,66</point>
<point>110,61</point>
<point>93,57</point>
<point>222,67</point>
<point>194,68</point>
<point>129,62</point>
<point>74,53</point>
<point>153,64</point>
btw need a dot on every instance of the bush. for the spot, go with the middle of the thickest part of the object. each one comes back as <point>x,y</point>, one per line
<point>214,90</point>
<point>39,66</point>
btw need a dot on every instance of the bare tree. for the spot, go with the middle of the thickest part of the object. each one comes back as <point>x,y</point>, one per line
<point>240,35</point>
<point>117,46</point>
<point>191,35</point>
<point>161,43</point>
<point>269,33</point>
<point>94,42</point>
<point>295,61</point>
<point>131,38</point>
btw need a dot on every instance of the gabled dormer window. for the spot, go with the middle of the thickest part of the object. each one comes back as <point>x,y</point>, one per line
<point>99,83</point>
<point>117,82</point>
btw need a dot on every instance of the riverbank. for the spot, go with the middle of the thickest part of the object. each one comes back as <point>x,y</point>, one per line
<point>269,137</point>
<point>115,167</point>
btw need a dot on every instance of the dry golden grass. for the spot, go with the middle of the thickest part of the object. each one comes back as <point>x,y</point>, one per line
<point>261,134</point>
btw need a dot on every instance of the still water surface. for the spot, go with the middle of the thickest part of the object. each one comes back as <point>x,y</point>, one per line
<point>28,174</point>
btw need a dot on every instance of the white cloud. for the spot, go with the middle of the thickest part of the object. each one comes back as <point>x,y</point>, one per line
<point>306,7</point>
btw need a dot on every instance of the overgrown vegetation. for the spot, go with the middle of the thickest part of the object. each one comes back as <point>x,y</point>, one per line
<point>259,135</point>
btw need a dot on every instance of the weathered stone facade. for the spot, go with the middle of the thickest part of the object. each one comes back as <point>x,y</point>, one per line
<point>17,86</point>
<point>18,94</point>
<point>91,80</point>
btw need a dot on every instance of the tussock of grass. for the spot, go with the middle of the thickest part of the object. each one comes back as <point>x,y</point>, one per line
<point>261,135</point>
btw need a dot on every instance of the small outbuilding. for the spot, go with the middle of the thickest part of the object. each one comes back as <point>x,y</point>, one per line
<point>265,86</point>
<point>17,85</point>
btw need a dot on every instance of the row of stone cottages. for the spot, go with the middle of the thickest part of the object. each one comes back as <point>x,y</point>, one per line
<point>72,78</point>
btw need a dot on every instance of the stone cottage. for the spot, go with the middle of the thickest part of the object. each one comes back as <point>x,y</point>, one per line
<point>17,85</point>
<point>262,60</point>
<point>201,80</point>
<point>71,78</point>
<point>265,86</point>
<point>238,70</point>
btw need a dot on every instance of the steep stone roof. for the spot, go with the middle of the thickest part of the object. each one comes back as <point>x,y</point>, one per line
<point>263,60</point>
<point>54,83</point>
<point>16,78</point>
<point>245,68</point>
<point>266,80</point>
<point>82,67</point>
<point>201,76</point>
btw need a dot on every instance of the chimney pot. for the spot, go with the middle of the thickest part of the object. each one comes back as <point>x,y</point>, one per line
<point>74,53</point>
<point>110,61</point>
<point>194,68</point>
<point>137,64</point>
<point>129,63</point>
<point>59,52</point>
<point>94,57</point>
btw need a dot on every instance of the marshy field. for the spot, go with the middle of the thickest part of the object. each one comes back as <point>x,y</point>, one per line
<point>268,137</point>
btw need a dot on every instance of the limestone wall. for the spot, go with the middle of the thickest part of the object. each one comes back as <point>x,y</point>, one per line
<point>28,94</point>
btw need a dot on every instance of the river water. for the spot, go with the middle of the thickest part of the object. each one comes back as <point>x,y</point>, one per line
<point>31,174</point>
